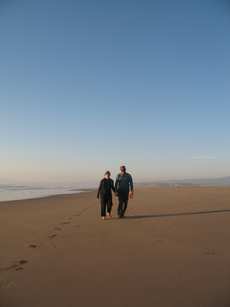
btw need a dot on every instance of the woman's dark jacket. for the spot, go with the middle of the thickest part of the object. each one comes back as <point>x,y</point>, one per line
<point>105,188</point>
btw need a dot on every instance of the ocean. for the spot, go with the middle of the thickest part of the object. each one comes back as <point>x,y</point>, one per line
<point>16,192</point>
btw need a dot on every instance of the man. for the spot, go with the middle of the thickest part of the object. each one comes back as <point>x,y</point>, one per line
<point>124,190</point>
<point>105,194</point>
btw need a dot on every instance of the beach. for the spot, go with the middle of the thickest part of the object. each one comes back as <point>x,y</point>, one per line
<point>172,249</point>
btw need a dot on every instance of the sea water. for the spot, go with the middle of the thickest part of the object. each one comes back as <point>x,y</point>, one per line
<point>16,192</point>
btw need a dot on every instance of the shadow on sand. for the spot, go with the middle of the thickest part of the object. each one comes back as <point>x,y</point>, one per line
<point>145,216</point>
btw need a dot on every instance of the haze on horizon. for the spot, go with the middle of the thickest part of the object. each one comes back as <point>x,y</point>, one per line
<point>89,85</point>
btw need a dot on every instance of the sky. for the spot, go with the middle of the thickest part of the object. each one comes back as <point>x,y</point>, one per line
<point>89,85</point>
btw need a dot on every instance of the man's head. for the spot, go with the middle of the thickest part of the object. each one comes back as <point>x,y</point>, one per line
<point>107,174</point>
<point>123,169</point>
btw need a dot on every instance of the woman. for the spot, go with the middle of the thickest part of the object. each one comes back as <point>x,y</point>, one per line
<point>105,194</point>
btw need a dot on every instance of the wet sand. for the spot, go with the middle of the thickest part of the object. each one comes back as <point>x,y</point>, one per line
<point>172,249</point>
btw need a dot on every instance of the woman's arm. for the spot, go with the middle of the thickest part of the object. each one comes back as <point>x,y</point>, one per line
<point>112,186</point>
<point>117,183</point>
<point>99,189</point>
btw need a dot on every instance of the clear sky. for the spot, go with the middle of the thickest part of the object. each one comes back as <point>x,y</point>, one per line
<point>87,85</point>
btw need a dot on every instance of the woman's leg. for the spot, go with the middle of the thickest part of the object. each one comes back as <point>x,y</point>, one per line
<point>103,207</point>
<point>109,206</point>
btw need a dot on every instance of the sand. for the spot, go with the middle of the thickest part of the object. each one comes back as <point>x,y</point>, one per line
<point>172,250</point>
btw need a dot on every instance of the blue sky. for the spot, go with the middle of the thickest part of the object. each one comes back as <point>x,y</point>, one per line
<point>88,85</point>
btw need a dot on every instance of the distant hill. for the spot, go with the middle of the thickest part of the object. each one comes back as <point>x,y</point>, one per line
<point>222,181</point>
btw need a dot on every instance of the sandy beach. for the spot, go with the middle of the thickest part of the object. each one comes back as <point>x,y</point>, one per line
<point>172,249</point>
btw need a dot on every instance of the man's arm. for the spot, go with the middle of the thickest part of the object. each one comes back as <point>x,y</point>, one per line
<point>131,183</point>
<point>131,187</point>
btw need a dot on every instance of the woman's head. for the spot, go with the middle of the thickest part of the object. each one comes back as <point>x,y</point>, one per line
<point>107,174</point>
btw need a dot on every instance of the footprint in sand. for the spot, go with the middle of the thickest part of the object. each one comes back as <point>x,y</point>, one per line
<point>6,284</point>
<point>17,266</point>
<point>58,228</point>
<point>23,261</point>
<point>64,223</point>
<point>158,241</point>
<point>20,263</point>
<point>52,236</point>
<point>32,245</point>
<point>76,226</point>
<point>10,267</point>
<point>210,252</point>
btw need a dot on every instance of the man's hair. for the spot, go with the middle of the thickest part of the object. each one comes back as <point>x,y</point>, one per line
<point>123,167</point>
<point>108,173</point>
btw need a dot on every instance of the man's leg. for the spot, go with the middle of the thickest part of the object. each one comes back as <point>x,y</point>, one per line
<point>119,208</point>
<point>124,197</point>
<point>125,204</point>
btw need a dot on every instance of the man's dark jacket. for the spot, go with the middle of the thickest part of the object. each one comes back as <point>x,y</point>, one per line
<point>124,184</point>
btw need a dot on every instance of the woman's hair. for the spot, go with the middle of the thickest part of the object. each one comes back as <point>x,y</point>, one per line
<point>108,173</point>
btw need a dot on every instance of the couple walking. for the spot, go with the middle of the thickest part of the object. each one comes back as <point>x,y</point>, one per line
<point>123,189</point>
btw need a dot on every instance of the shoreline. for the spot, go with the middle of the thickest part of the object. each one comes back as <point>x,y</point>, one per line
<point>46,196</point>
